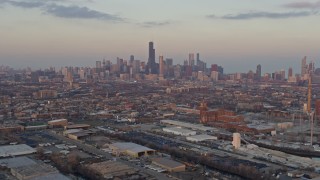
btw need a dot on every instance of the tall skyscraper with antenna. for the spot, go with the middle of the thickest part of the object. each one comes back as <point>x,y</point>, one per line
<point>152,67</point>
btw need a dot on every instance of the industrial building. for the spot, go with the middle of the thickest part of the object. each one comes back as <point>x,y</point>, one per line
<point>16,150</point>
<point>131,149</point>
<point>179,131</point>
<point>77,126</point>
<point>214,115</point>
<point>16,162</point>
<point>262,128</point>
<point>78,134</point>
<point>36,171</point>
<point>58,123</point>
<point>7,128</point>
<point>112,169</point>
<point>201,137</point>
<point>199,127</point>
<point>169,165</point>
<point>24,168</point>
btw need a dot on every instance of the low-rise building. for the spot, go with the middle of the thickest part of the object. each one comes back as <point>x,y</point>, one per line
<point>169,165</point>
<point>112,169</point>
<point>131,149</point>
<point>201,137</point>
<point>179,131</point>
<point>58,123</point>
<point>16,150</point>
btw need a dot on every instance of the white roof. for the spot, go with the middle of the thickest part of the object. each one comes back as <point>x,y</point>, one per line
<point>58,120</point>
<point>188,125</point>
<point>70,131</point>
<point>201,137</point>
<point>15,150</point>
<point>131,147</point>
<point>180,130</point>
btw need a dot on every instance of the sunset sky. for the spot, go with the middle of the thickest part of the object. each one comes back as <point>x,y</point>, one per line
<point>237,34</point>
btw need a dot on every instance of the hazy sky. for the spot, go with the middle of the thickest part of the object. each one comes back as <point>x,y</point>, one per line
<point>237,34</point>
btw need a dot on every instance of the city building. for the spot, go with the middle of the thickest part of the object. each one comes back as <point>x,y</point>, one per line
<point>16,150</point>
<point>45,94</point>
<point>217,115</point>
<point>191,59</point>
<point>131,149</point>
<point>58,123</point>
<point>179,131</point>
<point>258,72</point>
<point>152,67</point>
<point>112,169</point>
<point>236,140</point>
<point>161,66</point>
<point>201,137</point>
<point>169,165</point>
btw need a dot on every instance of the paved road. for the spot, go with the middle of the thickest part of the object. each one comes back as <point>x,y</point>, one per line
<point>94,150</point>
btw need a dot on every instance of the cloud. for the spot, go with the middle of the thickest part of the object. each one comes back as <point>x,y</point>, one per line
<point>150,24</point>
<point>268,15</point>
<point>79,13</point>
<point>22,4</point>
<point>303,5</point>
<point>51,7</point>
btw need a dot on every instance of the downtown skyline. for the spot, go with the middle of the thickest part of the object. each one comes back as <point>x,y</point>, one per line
<point>236,35</point>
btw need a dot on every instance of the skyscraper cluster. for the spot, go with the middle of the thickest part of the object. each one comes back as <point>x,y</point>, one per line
<point>306,69</point>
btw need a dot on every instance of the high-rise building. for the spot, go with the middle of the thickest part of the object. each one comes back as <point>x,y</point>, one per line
<point>152,59</point>
<point>104,63</point>
<point>290,72</point>
<point>169,61</point>
<point>214,67</point>
<point>198,57</point>
<point>131,60</point>
<point>185,62</point>
<point>311,68</point>
<point>82,74</point>
<point>161,66</point>
<point>136,66</point>
<point>303,66</point>
<point>119,64</point>
<point>258,72</point>
<point>282,74</point>
<point>98,64</point>
<point>191,59</point>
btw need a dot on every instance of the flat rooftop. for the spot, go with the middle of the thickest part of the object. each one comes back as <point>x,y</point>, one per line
<point>17,162</point>
<point>201,137</point>
<point>112,168</point>
<point>74,126</point>
<point>58,120</point>
<point>35,170</point>
<point>15,150</point>
<point>131,147</point>
<point>54,176</point>
<point>177,129</point>
<point>167,162</point>
<point>188,125</point>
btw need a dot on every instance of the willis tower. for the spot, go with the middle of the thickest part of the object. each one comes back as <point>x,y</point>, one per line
<point>152,66</point>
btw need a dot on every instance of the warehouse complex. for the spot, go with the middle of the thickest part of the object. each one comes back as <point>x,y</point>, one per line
<point>131,149</point>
